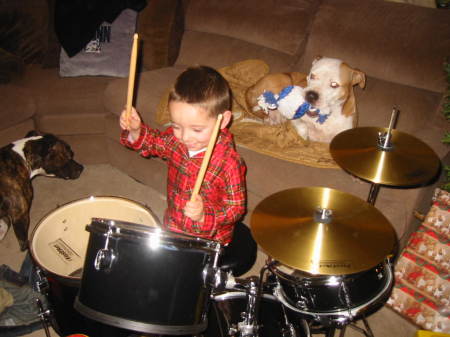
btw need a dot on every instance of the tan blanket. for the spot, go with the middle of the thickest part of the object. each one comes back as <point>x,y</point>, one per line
<point>279,141</point>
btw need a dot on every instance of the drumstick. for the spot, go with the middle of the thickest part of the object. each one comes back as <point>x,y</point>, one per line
<point>131,75</point>
<point>205,162</point>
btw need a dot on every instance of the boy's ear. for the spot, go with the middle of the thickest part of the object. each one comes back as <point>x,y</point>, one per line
<point>226,118</point>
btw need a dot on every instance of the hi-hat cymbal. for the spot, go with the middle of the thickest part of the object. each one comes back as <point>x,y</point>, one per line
<point>355,237</point>
<point>410,162</point>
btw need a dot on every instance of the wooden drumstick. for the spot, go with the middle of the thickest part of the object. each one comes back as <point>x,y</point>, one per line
<point>131,75</point>
<point>205,162</point>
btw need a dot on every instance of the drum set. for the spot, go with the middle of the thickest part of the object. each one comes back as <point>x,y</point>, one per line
<point>109,270</point>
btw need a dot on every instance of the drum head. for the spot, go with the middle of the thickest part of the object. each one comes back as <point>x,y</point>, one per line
<point>59,241</point>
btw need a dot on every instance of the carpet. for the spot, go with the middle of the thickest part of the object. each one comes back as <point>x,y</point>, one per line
<point>105,180</point>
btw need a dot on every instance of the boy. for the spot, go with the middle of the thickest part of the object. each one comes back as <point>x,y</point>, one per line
<point>199,95</point>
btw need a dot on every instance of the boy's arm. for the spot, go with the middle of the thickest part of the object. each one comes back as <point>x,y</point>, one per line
<point>149,143</point>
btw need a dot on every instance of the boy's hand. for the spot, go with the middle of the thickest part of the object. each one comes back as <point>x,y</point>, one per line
<point>194,209</point>
<point>132,123</point>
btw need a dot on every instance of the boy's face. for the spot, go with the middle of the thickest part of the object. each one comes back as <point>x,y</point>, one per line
<point>192,125</point>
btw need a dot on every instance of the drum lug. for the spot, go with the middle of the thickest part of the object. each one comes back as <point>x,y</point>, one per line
<point>105,257</point>
<point>300,304</point>
<point>233,330</point>
<point>218,279</point>
<point>212,275</point>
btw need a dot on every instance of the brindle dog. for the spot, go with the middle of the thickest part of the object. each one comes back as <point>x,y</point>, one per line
<point>20,161</point>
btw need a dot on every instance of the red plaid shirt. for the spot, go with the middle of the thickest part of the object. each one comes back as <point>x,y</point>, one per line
<point>223,189</point>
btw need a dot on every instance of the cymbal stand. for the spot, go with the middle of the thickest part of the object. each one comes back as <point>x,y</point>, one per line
<point>373,193</point>
<point>248,327</point>
<point>366,331</point>
<point>329,331</point>
<point>43,316</point>
<point>287,328</point>
<point>384,144</point>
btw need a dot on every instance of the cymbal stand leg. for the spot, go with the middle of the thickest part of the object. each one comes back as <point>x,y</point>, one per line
<point>373,193</point>
<point>366,332</point>
<point>330,332</point>
<point>287,328</point>
<point>367,326</point>
<point>43,314</point>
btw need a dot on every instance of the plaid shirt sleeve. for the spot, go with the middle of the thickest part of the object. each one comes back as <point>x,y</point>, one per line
<point>151,142</point>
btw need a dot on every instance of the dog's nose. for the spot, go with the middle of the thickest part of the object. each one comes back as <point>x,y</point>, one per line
<point>311,96</point>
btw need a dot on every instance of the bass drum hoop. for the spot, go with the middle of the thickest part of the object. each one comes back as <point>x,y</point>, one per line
<point>340,314</point>
<point>67,278</point>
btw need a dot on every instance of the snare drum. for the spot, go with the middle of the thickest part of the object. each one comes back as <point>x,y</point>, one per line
<point>58,248</point>
<point>333,299</point>
<point>146,279</point>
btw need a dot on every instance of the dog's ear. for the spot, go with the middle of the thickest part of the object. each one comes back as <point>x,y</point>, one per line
<point>298,79</point>
<point>32,133</point>
<point>358,77</point>
<point>317,58</point>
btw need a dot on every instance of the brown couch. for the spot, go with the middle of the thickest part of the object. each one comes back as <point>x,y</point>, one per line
<point>401,48</point>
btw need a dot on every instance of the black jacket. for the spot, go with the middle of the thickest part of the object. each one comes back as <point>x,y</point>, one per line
<point>76,21</point>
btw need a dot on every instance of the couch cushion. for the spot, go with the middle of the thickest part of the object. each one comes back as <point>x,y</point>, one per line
<point>221,51</point>
<point>149,90</point>
<point>67,106</point>
<point>391,41</point>
<point>276,27</point>
<point>17,131</point>
<point>18,105</point>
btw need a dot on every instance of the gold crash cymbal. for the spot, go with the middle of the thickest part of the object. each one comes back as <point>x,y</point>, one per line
<point>355,237</point>
<point>410,162</point>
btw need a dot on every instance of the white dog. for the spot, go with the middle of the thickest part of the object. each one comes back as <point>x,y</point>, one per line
<point>330,90</point>
<point>319,111</point>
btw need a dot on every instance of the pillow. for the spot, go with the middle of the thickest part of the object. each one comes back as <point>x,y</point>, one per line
<point>107,54</point>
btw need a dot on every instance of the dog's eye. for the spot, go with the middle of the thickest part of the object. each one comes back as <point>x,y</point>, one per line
<point>312,77</point>
<point>334,85</point>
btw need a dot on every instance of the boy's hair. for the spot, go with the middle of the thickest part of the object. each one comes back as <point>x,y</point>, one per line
<point>204,87</point>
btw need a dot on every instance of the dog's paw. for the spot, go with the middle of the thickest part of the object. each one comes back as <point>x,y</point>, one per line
<point>301,128</point>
